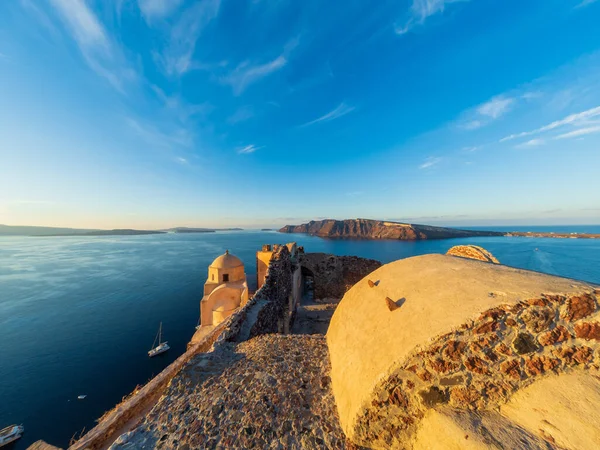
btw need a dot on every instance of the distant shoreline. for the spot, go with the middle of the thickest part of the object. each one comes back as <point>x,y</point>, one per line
<point>536,234</point>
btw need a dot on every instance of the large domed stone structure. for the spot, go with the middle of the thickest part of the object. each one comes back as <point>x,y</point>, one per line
<point>225,290</point>
<point>443,352</point>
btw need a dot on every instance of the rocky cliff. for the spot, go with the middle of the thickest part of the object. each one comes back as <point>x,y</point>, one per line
<point>377,229</point>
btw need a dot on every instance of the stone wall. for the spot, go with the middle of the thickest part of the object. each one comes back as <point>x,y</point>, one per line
<point>334,275</point>
<point>436,331</point>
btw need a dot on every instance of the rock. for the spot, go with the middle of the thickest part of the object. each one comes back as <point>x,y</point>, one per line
<point>588,331</point>
<point>540,364</point>
<point>574,355</point>
<point>454,349</point>
<point>476,365</point>
<point>487,327</point>
<point>579,307</point>
<point>512,368</point>
<point>555,336</point>
<point>537,319</point>
<point>472,252</point>
<point>433,396</point>
<point>524,343</point>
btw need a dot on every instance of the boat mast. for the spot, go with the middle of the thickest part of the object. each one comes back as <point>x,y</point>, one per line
<point>160,334</point>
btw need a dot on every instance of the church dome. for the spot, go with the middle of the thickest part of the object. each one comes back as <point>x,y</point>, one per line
<point>227,261</point>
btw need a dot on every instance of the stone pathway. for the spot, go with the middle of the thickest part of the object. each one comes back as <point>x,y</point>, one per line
<point>272,392</point>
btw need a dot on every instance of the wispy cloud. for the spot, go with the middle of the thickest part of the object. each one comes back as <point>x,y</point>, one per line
<point>420,11</point>
<point>487,112</point>
<point>531,143</point>
<point>585,3</point>
<point>248,149</point>
<point>430,162</point>
<point>98,50</point>
<point>471,149</point>
<point>41,17</point>
<point>179,137</point>
<point>157,9</point>
<point>496,107</point>
<point>177,57</point>
<point>338,112</point>
<point>246,73</point>
<point>572,119</point>
<point>242,114</point>
<point>578,133</point>
<point>181,109</point>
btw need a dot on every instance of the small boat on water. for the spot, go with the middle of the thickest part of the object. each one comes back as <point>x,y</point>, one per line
<point>161,347</point>
<point>81,397</point>
<point>11,434</point>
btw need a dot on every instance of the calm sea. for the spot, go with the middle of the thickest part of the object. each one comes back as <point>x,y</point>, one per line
<point>77,315</point>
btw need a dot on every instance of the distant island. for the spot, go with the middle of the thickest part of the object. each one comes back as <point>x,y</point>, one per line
<point>199,230</point>
<point>189,230</point>
<point>378,229</point>
<point>266,229</point>
<point>545,234</point>
<point>117,232</point>
<point>18,230</point>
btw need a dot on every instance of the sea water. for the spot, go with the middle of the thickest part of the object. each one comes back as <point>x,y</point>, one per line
<point>78,314</point>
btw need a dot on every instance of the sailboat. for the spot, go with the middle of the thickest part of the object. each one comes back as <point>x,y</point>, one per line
<point>162,346</point>
<point>10,434</point>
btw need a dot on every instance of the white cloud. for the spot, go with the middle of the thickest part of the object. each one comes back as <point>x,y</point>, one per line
<point>487,112</point>
<point>246,74</point>
<point>157,9</point>
<point>85,27</point>
<point>178,137</point>
<point>421,10</point>
<point>572,119</point>
<point>242,114</point>
<point>496,107</point>
<point>248,149</point>
<point>181,160</point>
<point>471,149</point>
<point>179,107</point>
<point>531,143</point>
<point>430,162</point>
<point>99,52</point>
<point>336,113</point>
<point>579,132</point>
<point>585,3</point>
<point>531,95</point>
<point>177,57</point>
<point>403,29</point>
<point>473,125</point>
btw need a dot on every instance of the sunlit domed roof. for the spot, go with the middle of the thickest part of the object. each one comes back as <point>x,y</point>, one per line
<point>227,261</point>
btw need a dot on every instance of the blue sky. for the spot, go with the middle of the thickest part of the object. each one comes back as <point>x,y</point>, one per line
<point>156,113</point>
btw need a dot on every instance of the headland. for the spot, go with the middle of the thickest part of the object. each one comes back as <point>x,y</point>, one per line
<point>380,229</point>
